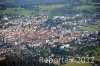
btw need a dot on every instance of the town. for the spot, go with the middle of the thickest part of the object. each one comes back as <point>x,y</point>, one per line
<point>20,33</point>
<point>67,30</point>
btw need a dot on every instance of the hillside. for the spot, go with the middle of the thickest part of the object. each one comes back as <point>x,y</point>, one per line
<point>24,2</point>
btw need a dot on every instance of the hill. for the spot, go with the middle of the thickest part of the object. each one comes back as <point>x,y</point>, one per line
<point>24,2</point>
<point>27,2</point>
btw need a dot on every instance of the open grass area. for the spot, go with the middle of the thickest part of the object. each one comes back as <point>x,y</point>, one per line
<point>52,6</point>
<point>97,59</point>
<point>77,64</point>
<point>96,3</point>
<point>87,7</point>
<point>48,8</point>
<point>48,13</point>
<point>19,11</point>
<point>29,12</point>
<point>89,28</point>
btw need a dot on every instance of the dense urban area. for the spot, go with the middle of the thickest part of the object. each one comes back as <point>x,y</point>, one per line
<point>50,29</point>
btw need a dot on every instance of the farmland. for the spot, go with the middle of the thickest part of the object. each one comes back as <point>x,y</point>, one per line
<point>77,64</point>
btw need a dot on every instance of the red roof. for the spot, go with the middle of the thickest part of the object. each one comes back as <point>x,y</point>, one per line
<point>2,58</point>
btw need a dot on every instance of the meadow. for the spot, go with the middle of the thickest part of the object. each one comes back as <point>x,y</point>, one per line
<point>77,64</point>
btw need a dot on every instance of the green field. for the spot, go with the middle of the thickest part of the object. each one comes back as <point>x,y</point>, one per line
<point>77,64</point>
<point>52,6</point>
<point>97,58</point>
<point>87,7</point>
<point>45,8</point>
<point>89,28</point>
<point>19,11</point>
<point>48,8</point>
<point>29,12</point>
<point>96,3</point>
